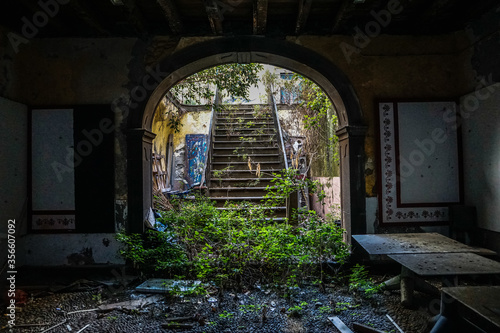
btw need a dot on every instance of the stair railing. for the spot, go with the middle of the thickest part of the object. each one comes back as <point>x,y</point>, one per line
<point>205,177</point>
<point>292,202</point>
<point>277,125</point>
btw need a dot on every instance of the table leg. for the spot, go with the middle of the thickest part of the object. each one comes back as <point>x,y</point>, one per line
<point>392,284</point>
<point>407,286</point>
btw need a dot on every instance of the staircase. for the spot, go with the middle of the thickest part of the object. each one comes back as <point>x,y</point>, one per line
<point>245,153</point>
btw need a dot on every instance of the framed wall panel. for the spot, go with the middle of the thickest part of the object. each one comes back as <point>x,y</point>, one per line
<point>72,169</point>
<point>52,169</point>
<point>419,169</point>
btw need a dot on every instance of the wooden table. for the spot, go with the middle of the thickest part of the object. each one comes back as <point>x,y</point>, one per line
<point>478,305</point>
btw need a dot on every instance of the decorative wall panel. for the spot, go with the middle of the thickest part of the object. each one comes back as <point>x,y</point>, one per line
<point>419,162</point>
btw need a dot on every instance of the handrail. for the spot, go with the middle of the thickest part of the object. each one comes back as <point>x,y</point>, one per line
<point>278,126</point>
<point>208,154</point>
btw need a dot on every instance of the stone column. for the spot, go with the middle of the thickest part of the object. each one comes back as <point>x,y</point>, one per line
<point>140,187</point>
<point>352,179</point>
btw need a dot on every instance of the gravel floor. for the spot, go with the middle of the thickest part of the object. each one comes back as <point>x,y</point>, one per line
<point>259,309</point>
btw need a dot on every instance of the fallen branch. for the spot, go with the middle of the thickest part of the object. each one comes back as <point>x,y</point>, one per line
<point>29,325</point>
<point>84,327</point>
<point>394,323</point>
<point>79,311</point>
<point>365,329</point>
<point>52,327</point>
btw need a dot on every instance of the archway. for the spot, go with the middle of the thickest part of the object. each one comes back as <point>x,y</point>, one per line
<point>206,54</point>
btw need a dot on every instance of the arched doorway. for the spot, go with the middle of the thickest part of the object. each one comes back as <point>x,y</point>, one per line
<point>206,54</point>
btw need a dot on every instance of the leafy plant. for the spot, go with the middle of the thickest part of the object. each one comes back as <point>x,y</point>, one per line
<point>359,280</point>
<point>325,309</point>
<point>235,246</point>
<point>233,80</point>
<point>226,315</point>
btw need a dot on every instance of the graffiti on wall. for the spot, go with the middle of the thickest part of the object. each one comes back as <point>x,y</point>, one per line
<point>196,146</point>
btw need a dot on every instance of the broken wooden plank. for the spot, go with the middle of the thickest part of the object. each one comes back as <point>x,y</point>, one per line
<point>339,324</point>
<point>364,328</point>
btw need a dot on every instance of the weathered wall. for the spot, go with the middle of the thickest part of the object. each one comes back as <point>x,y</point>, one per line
<point>405,67</point>
<point>193,120</point>
<point>479,117</point>
<point>481,154</point>
<point>83,71</point>
<point>13,162</point>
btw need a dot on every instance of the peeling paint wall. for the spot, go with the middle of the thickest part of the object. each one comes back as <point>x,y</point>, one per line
<point>70,249</point>
<point>193,120</point>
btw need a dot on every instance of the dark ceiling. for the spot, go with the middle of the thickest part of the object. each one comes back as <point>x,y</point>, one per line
<point>131,18</point>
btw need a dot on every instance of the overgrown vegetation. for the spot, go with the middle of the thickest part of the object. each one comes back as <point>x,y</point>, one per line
<point>236,246</point>
<point>314,115</point>
<point>360,281</point>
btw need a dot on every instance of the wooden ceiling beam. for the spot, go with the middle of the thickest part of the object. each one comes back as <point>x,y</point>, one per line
<point>85,14</point>
<point>344,8</point>
<point>214,16</point>
<point>304,10</point>
<point>435,9</point>
<point>259,16</point>
<point>172,15</point>
<point>135,15</point>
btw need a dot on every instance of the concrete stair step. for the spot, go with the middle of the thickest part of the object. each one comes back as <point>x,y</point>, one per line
<point>235,182</point>
<point>237,144</point>
<point>245,137</point>
<point>237,192</point>
<point>245,150</point>
<point>245,131</point>
<point>244,157</point>
<point>231,200</point>
<point>248,125</point>
<point>244,116</point>
<point>243,121</point>
<point>245,144</point>
<point>278,213</point>
<point>243,111</point>
<point>245,173</point>
<point>244,165</point>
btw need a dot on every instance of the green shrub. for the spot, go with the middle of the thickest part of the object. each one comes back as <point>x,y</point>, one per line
<point>236,245</point>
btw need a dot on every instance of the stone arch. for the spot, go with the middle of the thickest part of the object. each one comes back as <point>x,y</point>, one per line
<point>283,54</point>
